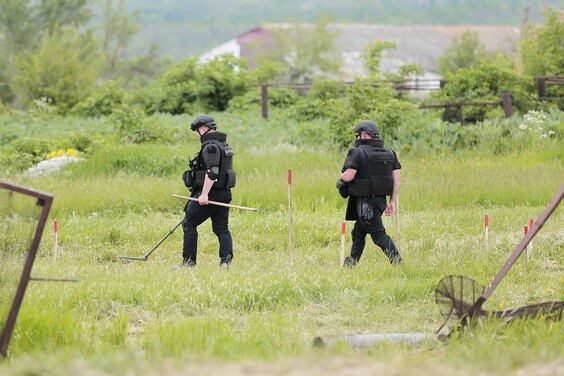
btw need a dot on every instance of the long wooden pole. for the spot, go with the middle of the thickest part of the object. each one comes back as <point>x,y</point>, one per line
<point>398,224</point>
<point>217,203</point>
<point>342,252</point>
<point>290,226</point>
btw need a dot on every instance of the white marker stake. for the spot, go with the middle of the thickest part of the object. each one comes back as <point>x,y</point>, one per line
<point>486,227</point>
<point>343,230</point>
<point>398,225</point>
<point>55,240</point>
<point>290,227</point>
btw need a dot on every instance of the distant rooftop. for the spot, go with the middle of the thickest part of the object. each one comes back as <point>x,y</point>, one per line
<point>416,44</point>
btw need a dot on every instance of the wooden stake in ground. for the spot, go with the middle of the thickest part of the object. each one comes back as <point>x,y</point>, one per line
<point>530,246</point>
<point>398,243</point>
<point>527,249</point>
<point>55,240</point>
<point>343,230</point>
<point>486,227</point>
<point>290,226</point>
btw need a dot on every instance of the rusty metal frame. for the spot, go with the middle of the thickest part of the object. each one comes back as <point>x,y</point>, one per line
<point>45,200</point>
<point>475,309</point>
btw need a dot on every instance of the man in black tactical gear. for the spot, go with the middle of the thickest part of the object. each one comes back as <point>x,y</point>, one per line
<point>211,177</point>
<point>370,173</point>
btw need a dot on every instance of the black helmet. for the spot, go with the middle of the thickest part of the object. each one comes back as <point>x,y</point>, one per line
<point>369,127</point>
<point>202,120</point>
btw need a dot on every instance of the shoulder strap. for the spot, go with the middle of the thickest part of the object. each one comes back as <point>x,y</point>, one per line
<point>363,163</point>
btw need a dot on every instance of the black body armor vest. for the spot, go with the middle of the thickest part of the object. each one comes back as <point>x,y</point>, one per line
<point>374,176</point>
<point>222,158</point>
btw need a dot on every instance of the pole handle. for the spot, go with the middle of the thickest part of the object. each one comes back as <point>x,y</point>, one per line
<point>217,203</point>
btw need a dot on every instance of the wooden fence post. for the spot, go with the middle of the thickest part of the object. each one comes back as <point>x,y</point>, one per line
<point>541,86</point>
<point>506,100</point>
<point>264,100</point>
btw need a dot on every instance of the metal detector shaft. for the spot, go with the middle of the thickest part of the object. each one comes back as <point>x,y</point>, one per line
<point>146,257</point>
<point>520,248</point>
<point>218,203</point>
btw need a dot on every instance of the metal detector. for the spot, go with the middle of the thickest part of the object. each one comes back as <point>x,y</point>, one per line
<point>146,257</point>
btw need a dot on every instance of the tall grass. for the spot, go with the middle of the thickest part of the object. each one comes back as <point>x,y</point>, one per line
<point>263,313</point>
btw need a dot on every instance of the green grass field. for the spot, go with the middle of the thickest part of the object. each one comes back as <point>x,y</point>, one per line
<point>261,315</point>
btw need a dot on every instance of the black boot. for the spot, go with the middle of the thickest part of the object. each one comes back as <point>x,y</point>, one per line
<point>349,262</point>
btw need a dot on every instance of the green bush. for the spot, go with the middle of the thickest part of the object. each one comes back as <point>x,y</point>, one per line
<point>277,97</point>
<point>218,81</point>
<point>484,83</point>
<point>361,100</point>
<point>177,88</point>
<point>102,101</point>
<point>134,126</point>
<point>188,87</point>
<point>25,152</point>
<point>60,74</point>
<point>81,140</point>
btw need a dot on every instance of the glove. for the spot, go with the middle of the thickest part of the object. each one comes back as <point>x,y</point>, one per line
<point>343,188</point>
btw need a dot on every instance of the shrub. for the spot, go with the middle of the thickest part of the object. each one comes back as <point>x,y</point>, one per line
<point>484,83</point>
<point>25,152</point>
<point>102,101</point>
<point>135,127</point>
<point>277,97</point>
<point>61,73</point>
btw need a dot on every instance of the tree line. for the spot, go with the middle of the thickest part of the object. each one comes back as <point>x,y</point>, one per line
<point>55,62</point>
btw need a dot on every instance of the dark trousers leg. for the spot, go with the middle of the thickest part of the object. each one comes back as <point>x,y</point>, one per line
<point>220,226</point>
<point>358,241</point>
<point>196,214</point>
<point>374,227</point>
<point>194,217</point>
<point>388,247</point>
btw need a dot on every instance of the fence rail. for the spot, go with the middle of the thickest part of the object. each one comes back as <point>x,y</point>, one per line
<point>425,84</point>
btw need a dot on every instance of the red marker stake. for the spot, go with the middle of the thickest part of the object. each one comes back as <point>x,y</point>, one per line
<point>343,231</point>
<point>290,226</point>
<point>486,227</point>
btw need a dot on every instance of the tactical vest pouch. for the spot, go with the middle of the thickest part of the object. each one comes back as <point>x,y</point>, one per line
<point>231,178</point>
<point>382,185</point>
<point>200,178</point>
<point>360,187</point>
<point>187,178</point>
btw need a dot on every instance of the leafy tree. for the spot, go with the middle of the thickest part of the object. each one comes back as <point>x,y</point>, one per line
<point>102,101</point>
<point>176,89</point>
<point>373,56</point>
<point>307,51</point>
<point>187,86</point>
<point>117,30</point>
<point>23,22</point>
<point>542,47</point>
<point>218,81</point>
<point>61,73</point>
<point>484,83</point>
<point>463,52</point>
